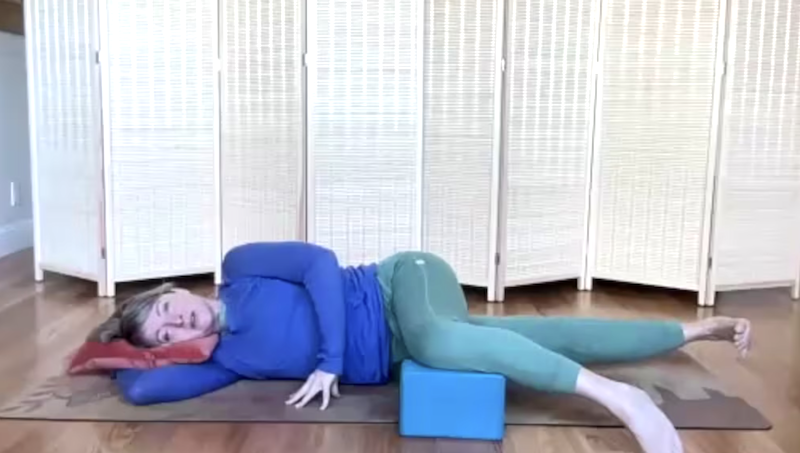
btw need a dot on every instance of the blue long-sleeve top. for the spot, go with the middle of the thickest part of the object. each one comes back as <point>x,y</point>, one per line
<point>290,308</point>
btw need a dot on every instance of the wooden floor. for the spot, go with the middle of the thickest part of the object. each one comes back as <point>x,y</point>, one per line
<point>41,324</point>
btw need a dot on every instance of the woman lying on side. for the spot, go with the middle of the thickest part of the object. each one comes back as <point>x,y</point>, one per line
<point>289,311</point>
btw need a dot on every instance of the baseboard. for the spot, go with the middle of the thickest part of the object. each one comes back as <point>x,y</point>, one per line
<point>15,237</point>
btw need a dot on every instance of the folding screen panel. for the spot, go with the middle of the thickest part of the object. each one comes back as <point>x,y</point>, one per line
<point>796,285</point>
<point>66,153</point>
<point>460,74</point>
<point>364,128</point>
<point>261,121</point>
<point>161,144</point>
<point>757,225</point>
<point>652,141</point>
<point>548,111</point>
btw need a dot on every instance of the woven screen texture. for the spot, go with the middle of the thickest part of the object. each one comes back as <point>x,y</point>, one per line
<point>65,86</point>
<point>656,106</point>
<point>363,141</point>
<point>757,229</point>
<point>548,137</point>
<point>261,121</point>
<point>459,123</point>
<point>161,79</point>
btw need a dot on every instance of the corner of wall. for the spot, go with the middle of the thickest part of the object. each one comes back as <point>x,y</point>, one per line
<point>16,226</point>
<point>15,237</point>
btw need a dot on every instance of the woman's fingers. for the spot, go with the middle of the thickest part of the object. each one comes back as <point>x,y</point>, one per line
<point>313,389</point>
<point>326,397</point>
<point>295,397</point>
<point>316,383</point>
<point>308,397</point>
<point>299,393</point>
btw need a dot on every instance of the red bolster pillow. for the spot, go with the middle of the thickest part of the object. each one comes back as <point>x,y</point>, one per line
<point>119,354</point>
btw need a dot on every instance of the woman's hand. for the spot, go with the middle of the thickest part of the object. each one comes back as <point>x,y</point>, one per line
<point>318,381</point>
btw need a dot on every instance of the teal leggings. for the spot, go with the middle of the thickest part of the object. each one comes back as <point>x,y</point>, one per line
<point>427,313</point>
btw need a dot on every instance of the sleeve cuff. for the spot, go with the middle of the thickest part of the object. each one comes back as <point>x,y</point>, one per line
<point>332,366</point>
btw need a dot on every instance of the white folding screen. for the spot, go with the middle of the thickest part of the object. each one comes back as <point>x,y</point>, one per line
<point>64,114</point>
<point>551,47</point>
<point>261,121</point>
<point>161,140</point>
<point>467,129</point>
<point>757,224</point>
<point>652,141</point>
<point>796,285</point>
<point>364,128</point>
<point>461,56</point>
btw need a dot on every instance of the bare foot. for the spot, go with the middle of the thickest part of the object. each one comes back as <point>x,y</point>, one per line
<point>635,409</point>
<point>721,328</point>
<point>652,429</point>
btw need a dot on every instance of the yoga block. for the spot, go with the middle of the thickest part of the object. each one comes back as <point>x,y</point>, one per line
<point>451,404</point>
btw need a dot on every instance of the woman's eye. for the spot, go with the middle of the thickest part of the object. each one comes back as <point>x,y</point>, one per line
<point>166,307</point>
<point>166,338</point>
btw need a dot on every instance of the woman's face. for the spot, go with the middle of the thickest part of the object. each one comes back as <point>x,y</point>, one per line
<point>180,316</point>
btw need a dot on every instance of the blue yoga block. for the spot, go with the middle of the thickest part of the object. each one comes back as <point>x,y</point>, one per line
<point>451,404</point>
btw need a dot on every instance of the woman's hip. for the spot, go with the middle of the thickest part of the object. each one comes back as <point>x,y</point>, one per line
<point>421,285</point>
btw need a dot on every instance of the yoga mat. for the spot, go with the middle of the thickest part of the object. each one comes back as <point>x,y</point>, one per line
<point>689,395</point>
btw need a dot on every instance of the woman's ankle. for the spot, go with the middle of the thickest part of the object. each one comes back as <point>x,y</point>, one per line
<point>601,390</point>
<point>695,331</point>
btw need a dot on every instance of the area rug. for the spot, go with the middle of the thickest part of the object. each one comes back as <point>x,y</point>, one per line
<point>687,393</point>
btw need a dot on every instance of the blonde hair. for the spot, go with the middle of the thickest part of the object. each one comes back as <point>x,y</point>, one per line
<point>129,317</point>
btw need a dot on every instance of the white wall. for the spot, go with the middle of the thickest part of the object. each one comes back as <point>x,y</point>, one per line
<point>16,226</point>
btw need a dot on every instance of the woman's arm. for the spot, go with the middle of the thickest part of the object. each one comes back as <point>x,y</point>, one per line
<point>172,383</point>
<point>314,267</point>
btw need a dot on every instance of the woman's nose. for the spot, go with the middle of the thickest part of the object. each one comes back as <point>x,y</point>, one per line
<point>177,320</point>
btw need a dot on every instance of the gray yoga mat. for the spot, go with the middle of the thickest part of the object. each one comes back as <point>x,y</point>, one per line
<point>689,395</point>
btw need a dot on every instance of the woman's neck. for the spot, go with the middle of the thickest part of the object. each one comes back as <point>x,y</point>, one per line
<point>218,308</point>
